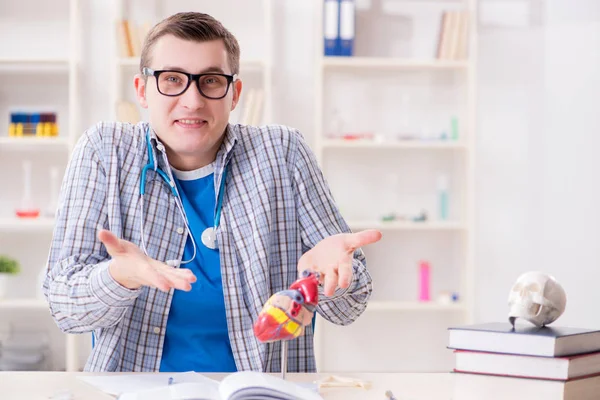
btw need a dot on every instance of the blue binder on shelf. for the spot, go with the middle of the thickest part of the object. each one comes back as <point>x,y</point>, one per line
<point>331,24</point>
<point>347,27</point>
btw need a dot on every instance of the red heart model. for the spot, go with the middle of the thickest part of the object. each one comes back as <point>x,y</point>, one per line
<point>285,314</point>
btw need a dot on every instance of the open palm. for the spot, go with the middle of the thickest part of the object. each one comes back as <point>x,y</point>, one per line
<point>332,258</point>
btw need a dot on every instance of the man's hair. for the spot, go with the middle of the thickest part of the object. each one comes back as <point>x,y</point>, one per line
<point>196,27</point>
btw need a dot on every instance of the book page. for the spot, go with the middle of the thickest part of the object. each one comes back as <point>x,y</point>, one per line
<point>128,386</point>
<point>252,385</point>
<point>177,391</point>
<point>194,391</point>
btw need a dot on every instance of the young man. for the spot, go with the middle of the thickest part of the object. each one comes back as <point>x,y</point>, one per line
<point>171,235</point>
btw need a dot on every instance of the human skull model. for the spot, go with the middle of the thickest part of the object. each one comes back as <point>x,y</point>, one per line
<point>536,297</point>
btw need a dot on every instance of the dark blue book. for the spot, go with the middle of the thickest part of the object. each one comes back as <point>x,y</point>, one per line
<point>550,341</point>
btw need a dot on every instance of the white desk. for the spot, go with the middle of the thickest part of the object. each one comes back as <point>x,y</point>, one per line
<point>44,385</point>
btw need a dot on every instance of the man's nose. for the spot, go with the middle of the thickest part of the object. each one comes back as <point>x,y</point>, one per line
<point>192,98</point>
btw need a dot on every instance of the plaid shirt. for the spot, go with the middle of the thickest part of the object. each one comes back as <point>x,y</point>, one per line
<point>276,206</point>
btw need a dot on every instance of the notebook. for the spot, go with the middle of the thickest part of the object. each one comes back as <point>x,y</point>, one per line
<point>524,339</point>
<point>243,385</point>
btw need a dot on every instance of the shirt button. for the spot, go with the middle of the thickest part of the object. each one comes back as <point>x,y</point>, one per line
<point>160,147</point>
<point>156,330</point>
<point>172,200</point>
<point>231,282</point>
<point>180,230</point>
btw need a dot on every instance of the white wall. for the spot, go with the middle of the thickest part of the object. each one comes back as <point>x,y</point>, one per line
<point>536,193</point>
<point>537,185</point>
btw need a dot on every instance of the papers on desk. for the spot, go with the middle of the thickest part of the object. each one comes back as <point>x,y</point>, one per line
<point>119,384</point>
<point>191,385</point>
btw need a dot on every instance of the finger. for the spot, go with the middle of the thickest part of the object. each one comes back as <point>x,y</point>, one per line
<point>111,242</point>
<point>363,238</point>
<point>182,273</point>
<point>151,275</point>
<point>179,273</point>
<point>181,280</point>
<point>305,316</point>
<point>344,274</point>
<point>158,280</point>
<point>305,263</point>
<point>178,278</point>
<point>180,284</point>
<point>330,282</point>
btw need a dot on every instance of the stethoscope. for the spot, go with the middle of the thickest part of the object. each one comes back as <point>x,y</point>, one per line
<point>209,236</point>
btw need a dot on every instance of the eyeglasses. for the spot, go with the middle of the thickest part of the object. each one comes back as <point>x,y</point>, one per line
<point>174,83</point>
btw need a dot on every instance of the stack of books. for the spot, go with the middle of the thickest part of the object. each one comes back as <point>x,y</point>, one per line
<point>495,361</point>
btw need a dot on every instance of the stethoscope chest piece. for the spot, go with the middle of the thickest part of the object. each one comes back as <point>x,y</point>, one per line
<point>209,238</point>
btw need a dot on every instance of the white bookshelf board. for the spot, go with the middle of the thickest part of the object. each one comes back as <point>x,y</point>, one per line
<point>395,90</point>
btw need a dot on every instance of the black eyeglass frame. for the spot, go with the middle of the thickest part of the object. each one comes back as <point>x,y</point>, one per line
<point>146,71</point>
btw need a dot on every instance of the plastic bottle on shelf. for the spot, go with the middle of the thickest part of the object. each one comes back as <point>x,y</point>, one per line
<point>454,127</point>
<point>26,208</point>
<point>50,210</point>
<point>442,193</point>
<point>424,281</point>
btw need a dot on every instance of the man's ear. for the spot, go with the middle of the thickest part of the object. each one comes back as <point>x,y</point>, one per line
<point>237,91</point>
<point>140,90</point>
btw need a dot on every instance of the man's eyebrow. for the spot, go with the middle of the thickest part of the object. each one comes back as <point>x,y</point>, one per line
<point>215,69</point>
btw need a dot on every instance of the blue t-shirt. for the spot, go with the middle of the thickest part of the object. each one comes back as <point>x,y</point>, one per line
<point>197,337</point>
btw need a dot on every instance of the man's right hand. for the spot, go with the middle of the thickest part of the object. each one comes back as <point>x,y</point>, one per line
<point>134,269</point>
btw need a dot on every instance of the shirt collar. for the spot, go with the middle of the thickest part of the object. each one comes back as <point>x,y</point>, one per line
<point>226,150</point>
<point>224,153</point>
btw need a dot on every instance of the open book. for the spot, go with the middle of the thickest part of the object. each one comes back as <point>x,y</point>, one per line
<point>190,386</point>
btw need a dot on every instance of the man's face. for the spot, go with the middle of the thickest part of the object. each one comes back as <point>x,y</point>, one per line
<point>190,125</point>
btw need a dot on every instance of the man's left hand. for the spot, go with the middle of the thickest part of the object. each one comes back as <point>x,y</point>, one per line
<point>332,258</point>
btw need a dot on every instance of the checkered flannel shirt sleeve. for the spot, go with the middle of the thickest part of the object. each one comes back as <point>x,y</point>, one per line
<point>319,218</point>
<point>81,293</point>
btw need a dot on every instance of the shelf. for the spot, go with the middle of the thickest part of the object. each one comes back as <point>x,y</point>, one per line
<point>34,142</point>
<point>16,65</point>
<point>406,225</point>
<point>390,63</point>
<point>23,304</point>
<point>406,144</point>
<point>413,306</point>
<point>244,64</point>
<point>25,224</point>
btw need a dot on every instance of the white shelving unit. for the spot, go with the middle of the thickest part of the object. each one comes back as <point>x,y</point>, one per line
<point>31,237</point>
<point>382,63</point>
<point>255,67</point>
<point>407,144</point>
<point>406,225</point>
<point>24,304</point>
<point>412,306</point>
<point>388,320</point>
<point>40,224</point>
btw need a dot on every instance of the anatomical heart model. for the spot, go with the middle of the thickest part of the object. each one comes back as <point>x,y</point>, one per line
<point>286,313</point>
